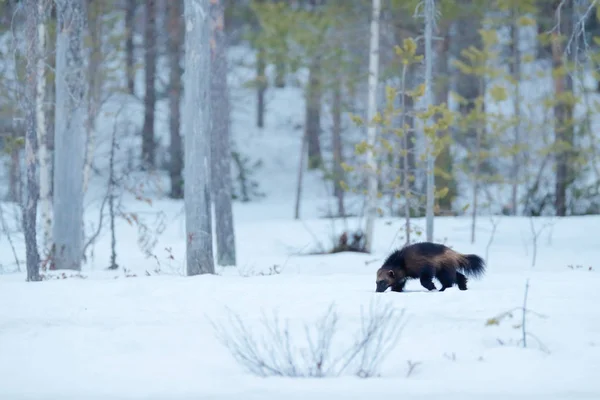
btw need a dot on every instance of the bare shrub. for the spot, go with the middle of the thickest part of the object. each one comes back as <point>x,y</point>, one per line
<point>276,351</point>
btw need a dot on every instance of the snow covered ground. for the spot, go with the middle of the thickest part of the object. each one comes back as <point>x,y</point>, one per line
<point>145,332</point>
<point>109,336</point>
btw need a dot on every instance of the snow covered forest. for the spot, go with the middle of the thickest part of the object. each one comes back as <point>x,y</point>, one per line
<point>196,195</point>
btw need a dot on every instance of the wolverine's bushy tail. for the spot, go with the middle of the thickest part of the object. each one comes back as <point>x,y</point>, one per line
<point>475,266</point>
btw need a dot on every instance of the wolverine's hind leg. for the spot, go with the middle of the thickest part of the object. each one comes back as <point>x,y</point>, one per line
<point>446,278</point>
<point>461,281</point>
<point>426,277</point>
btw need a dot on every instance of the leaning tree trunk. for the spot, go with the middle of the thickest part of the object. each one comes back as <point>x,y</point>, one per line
<point>174,49</point>
<point>32,192</point>
<point>220,146</point>
<point>196,128</point>
<point>70,126</point>
<point>148,149</point>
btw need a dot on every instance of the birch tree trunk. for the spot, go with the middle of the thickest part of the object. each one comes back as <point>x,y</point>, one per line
<point>430,186</point>
<point>220,146</point>
<point>150,44</point>
<point>174,50</point>
<point>371,129</point>
<point>42,139</point>
<point>70,128</point>
<point>32,192</point>
<point>196,128</point>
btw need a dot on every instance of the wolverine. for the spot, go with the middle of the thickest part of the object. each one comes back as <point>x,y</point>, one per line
<point>426,261</point>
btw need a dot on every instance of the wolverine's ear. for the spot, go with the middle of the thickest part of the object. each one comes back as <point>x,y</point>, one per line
<point>391,273</point>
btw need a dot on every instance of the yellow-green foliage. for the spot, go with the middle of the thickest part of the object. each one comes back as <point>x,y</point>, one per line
<point>296,37</point>
<point>388,148</point>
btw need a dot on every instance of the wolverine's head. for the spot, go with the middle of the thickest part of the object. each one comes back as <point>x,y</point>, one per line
<point>385,278</point>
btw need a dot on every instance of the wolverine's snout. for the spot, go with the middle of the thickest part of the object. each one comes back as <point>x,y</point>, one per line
<point>382,286</point>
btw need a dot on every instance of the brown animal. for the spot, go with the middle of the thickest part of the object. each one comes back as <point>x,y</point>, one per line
<point>425,261</point>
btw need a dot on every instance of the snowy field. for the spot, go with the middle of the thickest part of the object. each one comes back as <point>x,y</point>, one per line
<point>145,332</point>
<point>109,336</point>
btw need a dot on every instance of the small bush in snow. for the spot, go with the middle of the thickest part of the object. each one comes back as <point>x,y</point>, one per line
<point>318,352</point>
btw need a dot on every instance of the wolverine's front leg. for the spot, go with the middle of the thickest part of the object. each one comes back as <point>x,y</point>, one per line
<point>399,286</point>
<point>426,278</point>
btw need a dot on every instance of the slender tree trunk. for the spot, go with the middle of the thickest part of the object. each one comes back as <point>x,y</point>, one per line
<point>15,170</point>
<point>563,112</point>
<point>148,144</point>
<point>444,162</point>
<point>280,72</point>
<point>338,159</point>
<point>196,128</point>
<point>313,115</point>
<point>516,73</point>
<point>32,192</point>
<point>71,110</point>
<point>129,49</point>
<point>112,183</point>
<point>221,149</point>
<point>479,132</point>
<point>406,167</point>
<point>174,50</point>
<point>430,187</point>
<point>46,205</point>
<point>371,129</point>
<point>303,148</point>
<point>94,14</point>
<point>261,78</point>
<point>51,99</point>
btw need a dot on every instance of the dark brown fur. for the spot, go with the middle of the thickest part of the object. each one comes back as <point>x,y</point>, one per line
<point>426,261</point>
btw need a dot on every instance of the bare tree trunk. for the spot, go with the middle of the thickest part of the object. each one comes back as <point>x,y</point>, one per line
<point>221,150</point>
<point>372,130</point>
<point>196,128</point>
<point>338,171</point>
<point>111,196</point>
<point>479,132</point>
<point>32,194</point>
<point>300,174</point>
<point>129,49</point>
<point>444,162</point>
<point>94,15</point>
<point>261,78</point>
<point>406,147</point>
<point>71,109</point>
<point>46,206</point>
<point>15,171</point>
<point>430,187</point>
<point>313,115</point>
<point>174,50</point>
<point>516,73</point>
<point>148,144</point>
<point>563,112</point>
